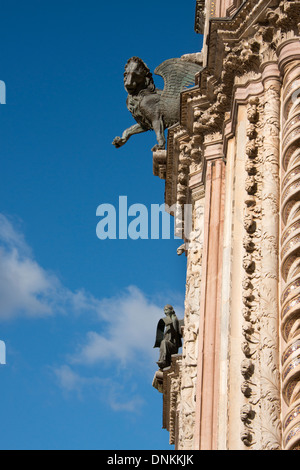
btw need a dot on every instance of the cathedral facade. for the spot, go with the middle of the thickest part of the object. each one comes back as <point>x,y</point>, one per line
<point>235,157</point>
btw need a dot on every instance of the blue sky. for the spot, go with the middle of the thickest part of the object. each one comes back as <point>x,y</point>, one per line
<point>77,314</point>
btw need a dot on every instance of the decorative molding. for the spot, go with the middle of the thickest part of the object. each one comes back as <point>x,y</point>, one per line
<point>171,397</point>
<point>270,400</point>
<point>232,9</point>
<point>250,334</point>
<point>290,246</point>
<point>200,16</point>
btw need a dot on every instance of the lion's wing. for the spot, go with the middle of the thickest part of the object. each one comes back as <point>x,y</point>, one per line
<point>178,75</point>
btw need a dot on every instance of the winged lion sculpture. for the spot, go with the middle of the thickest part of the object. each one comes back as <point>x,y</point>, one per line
<point>155,109</point>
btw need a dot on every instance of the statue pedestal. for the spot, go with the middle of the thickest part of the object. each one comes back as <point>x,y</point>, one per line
<point>160,163</point>
<point>167,382</point>
<point>158,380</point>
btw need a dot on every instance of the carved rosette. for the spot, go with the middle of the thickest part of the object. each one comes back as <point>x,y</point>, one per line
<point>290,255</point>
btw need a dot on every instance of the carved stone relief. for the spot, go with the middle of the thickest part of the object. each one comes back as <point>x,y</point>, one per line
<point>290,255</point>
<point>251,265</point>
<point>191,330</point>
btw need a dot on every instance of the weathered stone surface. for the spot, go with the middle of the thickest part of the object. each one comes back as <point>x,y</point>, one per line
<point>155,109</point>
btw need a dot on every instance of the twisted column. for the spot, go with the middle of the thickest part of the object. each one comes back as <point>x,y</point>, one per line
<point>290,245</point>
<point>270,402</point>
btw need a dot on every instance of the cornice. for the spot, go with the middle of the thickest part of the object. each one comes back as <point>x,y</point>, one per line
<point>241,49</point>
<point>236,4</point>
<point>248,14</point>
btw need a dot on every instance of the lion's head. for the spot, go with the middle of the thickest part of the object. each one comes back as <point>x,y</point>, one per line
<point>137,76</point>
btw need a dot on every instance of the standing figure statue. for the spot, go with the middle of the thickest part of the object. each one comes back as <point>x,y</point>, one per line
<point>155,109</point>
<point>168,337</point>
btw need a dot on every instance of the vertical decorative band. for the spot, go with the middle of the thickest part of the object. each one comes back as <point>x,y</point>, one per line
<point>271,435</point>
<point>213,8</point>
<point>248,366</point>
<point>290,254</point>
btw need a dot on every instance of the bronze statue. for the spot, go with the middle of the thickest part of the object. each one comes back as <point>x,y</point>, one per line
<point>155,109</point>
<point>168,337</point>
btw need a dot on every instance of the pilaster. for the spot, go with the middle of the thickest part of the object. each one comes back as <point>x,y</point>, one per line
<point>210,301</point>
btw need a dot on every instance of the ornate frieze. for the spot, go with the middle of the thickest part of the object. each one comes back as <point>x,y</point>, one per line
<point>260,411</point>
<point>248,345</point>
<point>171,386</point>
<point>187,413</point>
<point>270,399</point>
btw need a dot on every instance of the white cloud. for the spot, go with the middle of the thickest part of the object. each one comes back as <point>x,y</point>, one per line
<point>12,238</point>
<point>129,321</point>
<point>28,289</point>
<point>128,327</point>
<point>119,397</point>
<point>68,379</point>
<point>71,381</point>
<point>25,288</point>
<point>125,328</point>
<point>131,405</point>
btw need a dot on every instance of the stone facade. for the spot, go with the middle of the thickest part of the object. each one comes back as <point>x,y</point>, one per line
<point>235,156</point>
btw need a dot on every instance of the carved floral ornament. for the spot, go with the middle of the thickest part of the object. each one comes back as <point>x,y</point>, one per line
<point>232,53</point>
<point>250,324</point>
<point>238,47</point>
